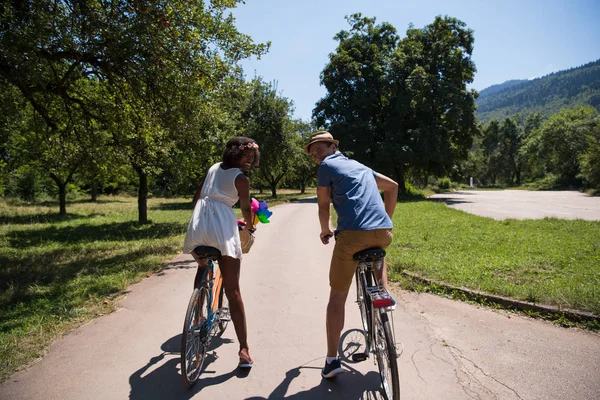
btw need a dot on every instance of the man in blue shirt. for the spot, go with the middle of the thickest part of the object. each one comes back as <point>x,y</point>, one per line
<point>364,221</point>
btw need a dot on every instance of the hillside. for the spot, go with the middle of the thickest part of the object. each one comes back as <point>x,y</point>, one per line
<point>500,87</point>
<point>549,94</point>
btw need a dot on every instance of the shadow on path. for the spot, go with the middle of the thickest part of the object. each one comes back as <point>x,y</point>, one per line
<point>156,381</point>
<point>352,385</point>
<point>162,380</point>
<point>305,200</point>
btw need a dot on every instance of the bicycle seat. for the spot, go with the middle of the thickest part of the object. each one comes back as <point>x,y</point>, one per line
<point>207,252</point>
<point>370,254</point>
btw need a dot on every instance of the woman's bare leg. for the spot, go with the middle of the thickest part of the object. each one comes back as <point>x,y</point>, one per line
<point>230,269</point>
<point>200,271</point>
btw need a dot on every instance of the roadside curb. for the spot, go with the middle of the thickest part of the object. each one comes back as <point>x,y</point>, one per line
<point>509,303</point>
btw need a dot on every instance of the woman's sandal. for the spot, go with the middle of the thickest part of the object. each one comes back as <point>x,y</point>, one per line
<point>245,360</point>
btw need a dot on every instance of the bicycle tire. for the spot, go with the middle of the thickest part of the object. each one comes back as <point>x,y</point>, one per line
<point>387,360</point>
<point>224,313</point>
<point>193,344</point>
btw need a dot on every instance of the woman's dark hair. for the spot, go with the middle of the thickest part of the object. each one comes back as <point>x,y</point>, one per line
<point>235,148</point>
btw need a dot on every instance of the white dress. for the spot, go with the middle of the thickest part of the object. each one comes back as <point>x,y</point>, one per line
<point>213,222</point>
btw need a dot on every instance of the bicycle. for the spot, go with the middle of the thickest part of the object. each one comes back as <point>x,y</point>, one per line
<point>374,303</point>
<point>207,312</point>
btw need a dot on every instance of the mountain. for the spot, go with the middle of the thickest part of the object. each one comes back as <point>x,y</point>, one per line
<point>500,87</point>
<point>548,94</point>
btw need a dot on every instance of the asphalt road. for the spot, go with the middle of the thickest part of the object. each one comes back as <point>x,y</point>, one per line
<point>449,350</point>
<point>524,204</point>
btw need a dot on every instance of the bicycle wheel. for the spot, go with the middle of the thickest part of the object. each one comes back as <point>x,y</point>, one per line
<point>194,340</point>
<point>224,314</point>
<point>387,361</point>
<point>361,300</point>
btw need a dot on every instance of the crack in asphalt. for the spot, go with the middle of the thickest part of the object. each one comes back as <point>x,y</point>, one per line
<point>460,355</point>
<point>469,378</point>
<point>417,368</point>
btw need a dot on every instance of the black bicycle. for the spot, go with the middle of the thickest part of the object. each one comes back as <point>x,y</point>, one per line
<point>207,314</point>
<point>375,306</point>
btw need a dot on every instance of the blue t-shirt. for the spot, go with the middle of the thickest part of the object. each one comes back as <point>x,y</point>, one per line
<point>354,194</point>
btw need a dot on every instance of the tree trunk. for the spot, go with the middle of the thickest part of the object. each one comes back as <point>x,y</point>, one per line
<point>302,187</point>
<point>142,196</point>
<point>94,191</point>
<point>62,198</point>
<point>274,191</point>
<point>62,193</point>
<point>400,179</point>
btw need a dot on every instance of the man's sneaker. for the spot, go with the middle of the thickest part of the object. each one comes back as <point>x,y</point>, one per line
<point>330,370</point>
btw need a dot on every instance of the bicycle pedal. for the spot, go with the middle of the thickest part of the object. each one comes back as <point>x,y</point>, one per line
<point>358,357</point>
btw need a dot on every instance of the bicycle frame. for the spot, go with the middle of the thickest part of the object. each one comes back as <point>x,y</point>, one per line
<point>379,327</point>
<point>212,276</point>
<point>364,273</point>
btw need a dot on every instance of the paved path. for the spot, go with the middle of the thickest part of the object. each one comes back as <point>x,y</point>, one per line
<point>524,204</point>
<point>450,350</point>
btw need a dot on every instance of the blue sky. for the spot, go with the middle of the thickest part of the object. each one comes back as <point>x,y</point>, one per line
<point>514,39</point>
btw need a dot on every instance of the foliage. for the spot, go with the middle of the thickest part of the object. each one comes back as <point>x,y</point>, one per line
<point>24,183</point>
<point>589,161</point>
<point>401,103</point>
<point>303,169</point>
<point>266,117</point>
<point>142,72</point>
<point>546,95</point>
<point>560,143</point>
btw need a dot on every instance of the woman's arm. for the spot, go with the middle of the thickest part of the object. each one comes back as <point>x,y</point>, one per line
<point>197,194</point>
<point>242,184</point>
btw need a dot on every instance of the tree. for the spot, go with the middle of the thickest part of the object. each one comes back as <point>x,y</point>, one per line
<point>401,104</point>
<point>357,79</point>
<point>55,151</point>
<point>152,63</point>
<point>303,170</point>
<point>266,119</point>
<point>589,161</point>
<point>562,140</point>
<point>492,156</point>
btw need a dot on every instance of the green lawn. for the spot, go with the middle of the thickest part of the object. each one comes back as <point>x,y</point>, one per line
<point>56,272</point>
<point>549,261</point>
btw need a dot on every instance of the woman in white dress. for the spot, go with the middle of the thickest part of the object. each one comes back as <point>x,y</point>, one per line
<point>214,224</point>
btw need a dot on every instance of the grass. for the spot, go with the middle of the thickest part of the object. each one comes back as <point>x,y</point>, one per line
<point>57,272</point>
<point>549,261</point>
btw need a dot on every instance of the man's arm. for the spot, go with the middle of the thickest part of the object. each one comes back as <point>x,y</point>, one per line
<point>390,192</point>
<point>324,200</point>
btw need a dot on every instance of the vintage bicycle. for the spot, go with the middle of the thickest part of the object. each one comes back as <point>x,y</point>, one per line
<point>207,315</point>
<point>376,306</point>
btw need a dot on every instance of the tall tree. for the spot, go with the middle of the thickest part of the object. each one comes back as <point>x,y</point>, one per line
<point>266,118</point>
<point>357,78</point>
<point>152,61</point>
<point>589,161</point>
<point>400,104</point>
<point>562,140</point>
<point>303,170</point>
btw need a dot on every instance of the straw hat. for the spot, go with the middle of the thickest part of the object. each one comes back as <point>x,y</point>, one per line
<point>320,136</point>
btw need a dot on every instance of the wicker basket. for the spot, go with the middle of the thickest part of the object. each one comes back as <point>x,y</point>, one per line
<point>247,240</point>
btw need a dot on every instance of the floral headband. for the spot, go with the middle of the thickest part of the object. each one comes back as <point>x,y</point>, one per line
<point>251,145</point>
